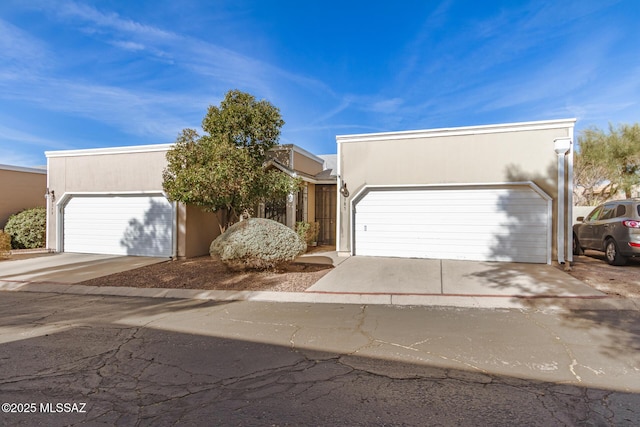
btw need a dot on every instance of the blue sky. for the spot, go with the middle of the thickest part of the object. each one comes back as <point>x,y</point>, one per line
<point>79,74</point>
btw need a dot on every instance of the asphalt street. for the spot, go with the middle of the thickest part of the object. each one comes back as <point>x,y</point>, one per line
<point>106,360</point>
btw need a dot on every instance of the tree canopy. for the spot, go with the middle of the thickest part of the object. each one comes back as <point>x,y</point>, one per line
<point>223,170</point>
<point>607,162</point>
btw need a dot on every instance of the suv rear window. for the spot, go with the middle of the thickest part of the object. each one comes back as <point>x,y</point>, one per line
<point>621,210</point>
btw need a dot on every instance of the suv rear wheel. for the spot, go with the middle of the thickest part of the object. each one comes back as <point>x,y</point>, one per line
<point>611,253</point>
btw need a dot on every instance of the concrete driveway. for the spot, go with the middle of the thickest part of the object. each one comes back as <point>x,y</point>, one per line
<point>410,276</point>
<point>68,268</point>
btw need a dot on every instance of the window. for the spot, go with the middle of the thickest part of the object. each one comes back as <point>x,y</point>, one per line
<point>607,212</point>
<point>621,210</point>
<point>594,214</point>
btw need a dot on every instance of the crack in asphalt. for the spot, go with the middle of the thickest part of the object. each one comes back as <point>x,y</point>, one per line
<point>127,384</point>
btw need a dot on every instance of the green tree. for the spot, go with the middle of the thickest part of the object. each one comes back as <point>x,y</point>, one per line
<point>223,171</point>
<point>615,154</point>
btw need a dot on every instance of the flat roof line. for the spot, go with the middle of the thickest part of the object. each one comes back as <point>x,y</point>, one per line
<point>457,131</point>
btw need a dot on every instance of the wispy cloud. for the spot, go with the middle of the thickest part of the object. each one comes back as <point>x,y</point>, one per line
<point>12,135</point>
<point>19,50</point>
<point>206,68</point>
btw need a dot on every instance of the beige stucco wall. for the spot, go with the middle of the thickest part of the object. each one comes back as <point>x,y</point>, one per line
<point>497,154</point>
<point>201,229</point>
<point>20,190</point>
<point>107,172</point>
<point>311,202</point>
<point>302,163</point>
<point>124,170</point>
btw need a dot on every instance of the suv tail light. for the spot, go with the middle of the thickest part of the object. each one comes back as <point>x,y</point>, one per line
<point>631,224</point>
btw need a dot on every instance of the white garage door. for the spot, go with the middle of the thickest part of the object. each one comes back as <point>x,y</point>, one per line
<point>469,223</point>
<point>119,225</point>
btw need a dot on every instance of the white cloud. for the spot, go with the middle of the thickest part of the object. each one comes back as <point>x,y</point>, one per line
<point>19,50</point>
<point>128,45</point>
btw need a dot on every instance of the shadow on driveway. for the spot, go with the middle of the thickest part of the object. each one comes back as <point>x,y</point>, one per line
<point>68,268</point>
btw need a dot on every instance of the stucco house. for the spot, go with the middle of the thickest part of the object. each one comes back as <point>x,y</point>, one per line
<point>489,193</point>
<point>20,188</point>
<point>111,201</point>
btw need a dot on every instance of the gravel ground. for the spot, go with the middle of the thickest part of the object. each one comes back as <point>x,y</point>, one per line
<point>209,274</point>
<point>622,281</point>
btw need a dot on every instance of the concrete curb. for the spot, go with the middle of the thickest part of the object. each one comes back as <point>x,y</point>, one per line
<point>472,301</point>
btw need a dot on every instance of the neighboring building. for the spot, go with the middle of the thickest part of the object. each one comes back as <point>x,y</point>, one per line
<point>490,193</point>
<point>111,201</point>
<point>21,188</point>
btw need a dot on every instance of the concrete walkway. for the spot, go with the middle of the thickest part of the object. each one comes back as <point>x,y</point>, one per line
<point>68,268</point>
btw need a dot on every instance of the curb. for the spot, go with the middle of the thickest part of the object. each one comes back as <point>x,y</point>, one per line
<point>427,300</point>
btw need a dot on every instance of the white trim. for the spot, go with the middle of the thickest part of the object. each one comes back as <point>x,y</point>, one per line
<point>109,150</point>
<point>366,188</point>
<point>23,169</point>
<point>68,195</point>
<point>530,184</point>
<point>48,211</point>
<point>339,196</point>
<point>458,131</point>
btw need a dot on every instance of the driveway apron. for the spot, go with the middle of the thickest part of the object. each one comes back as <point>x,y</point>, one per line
<point>378,275</point>
<point>69,268</point>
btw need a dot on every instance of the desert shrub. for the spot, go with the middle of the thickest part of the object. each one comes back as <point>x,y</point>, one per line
<point>257,244</point>
<point>5,245</point>
<point>308,231</point>
<point>27,228</point>
<point>303,228</point>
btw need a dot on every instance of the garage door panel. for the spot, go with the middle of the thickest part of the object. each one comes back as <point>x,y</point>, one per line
<point>119,225</point>
<point>502,224</point>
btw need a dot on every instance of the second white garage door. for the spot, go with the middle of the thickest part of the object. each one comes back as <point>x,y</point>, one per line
<point>482,223</point>
<point>119,225</point>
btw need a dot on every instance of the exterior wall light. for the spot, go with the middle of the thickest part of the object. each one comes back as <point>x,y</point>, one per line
<point>343,190</point>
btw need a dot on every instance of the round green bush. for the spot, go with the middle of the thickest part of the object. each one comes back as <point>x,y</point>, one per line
<point>257,244</point>
<point>27,228</point>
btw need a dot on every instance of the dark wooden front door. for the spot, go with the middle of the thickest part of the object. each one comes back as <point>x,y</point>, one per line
<point>326,213</point>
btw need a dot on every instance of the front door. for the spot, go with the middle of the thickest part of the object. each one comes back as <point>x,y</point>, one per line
<point>326,213</point>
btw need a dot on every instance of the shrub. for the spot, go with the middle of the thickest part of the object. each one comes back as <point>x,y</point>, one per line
<point>308,231</point>
<point>303,228</point>
<point>5,245</point>
<point>27,228</point>
<point>257,244</point>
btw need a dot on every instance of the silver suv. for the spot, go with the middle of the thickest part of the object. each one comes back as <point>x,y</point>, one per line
<point>613,227</point>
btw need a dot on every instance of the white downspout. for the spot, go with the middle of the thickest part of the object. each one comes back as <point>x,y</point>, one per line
<point>562,147</point>
<point>339,201</point>
<point>48,211</point>
<point>569,242</point>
